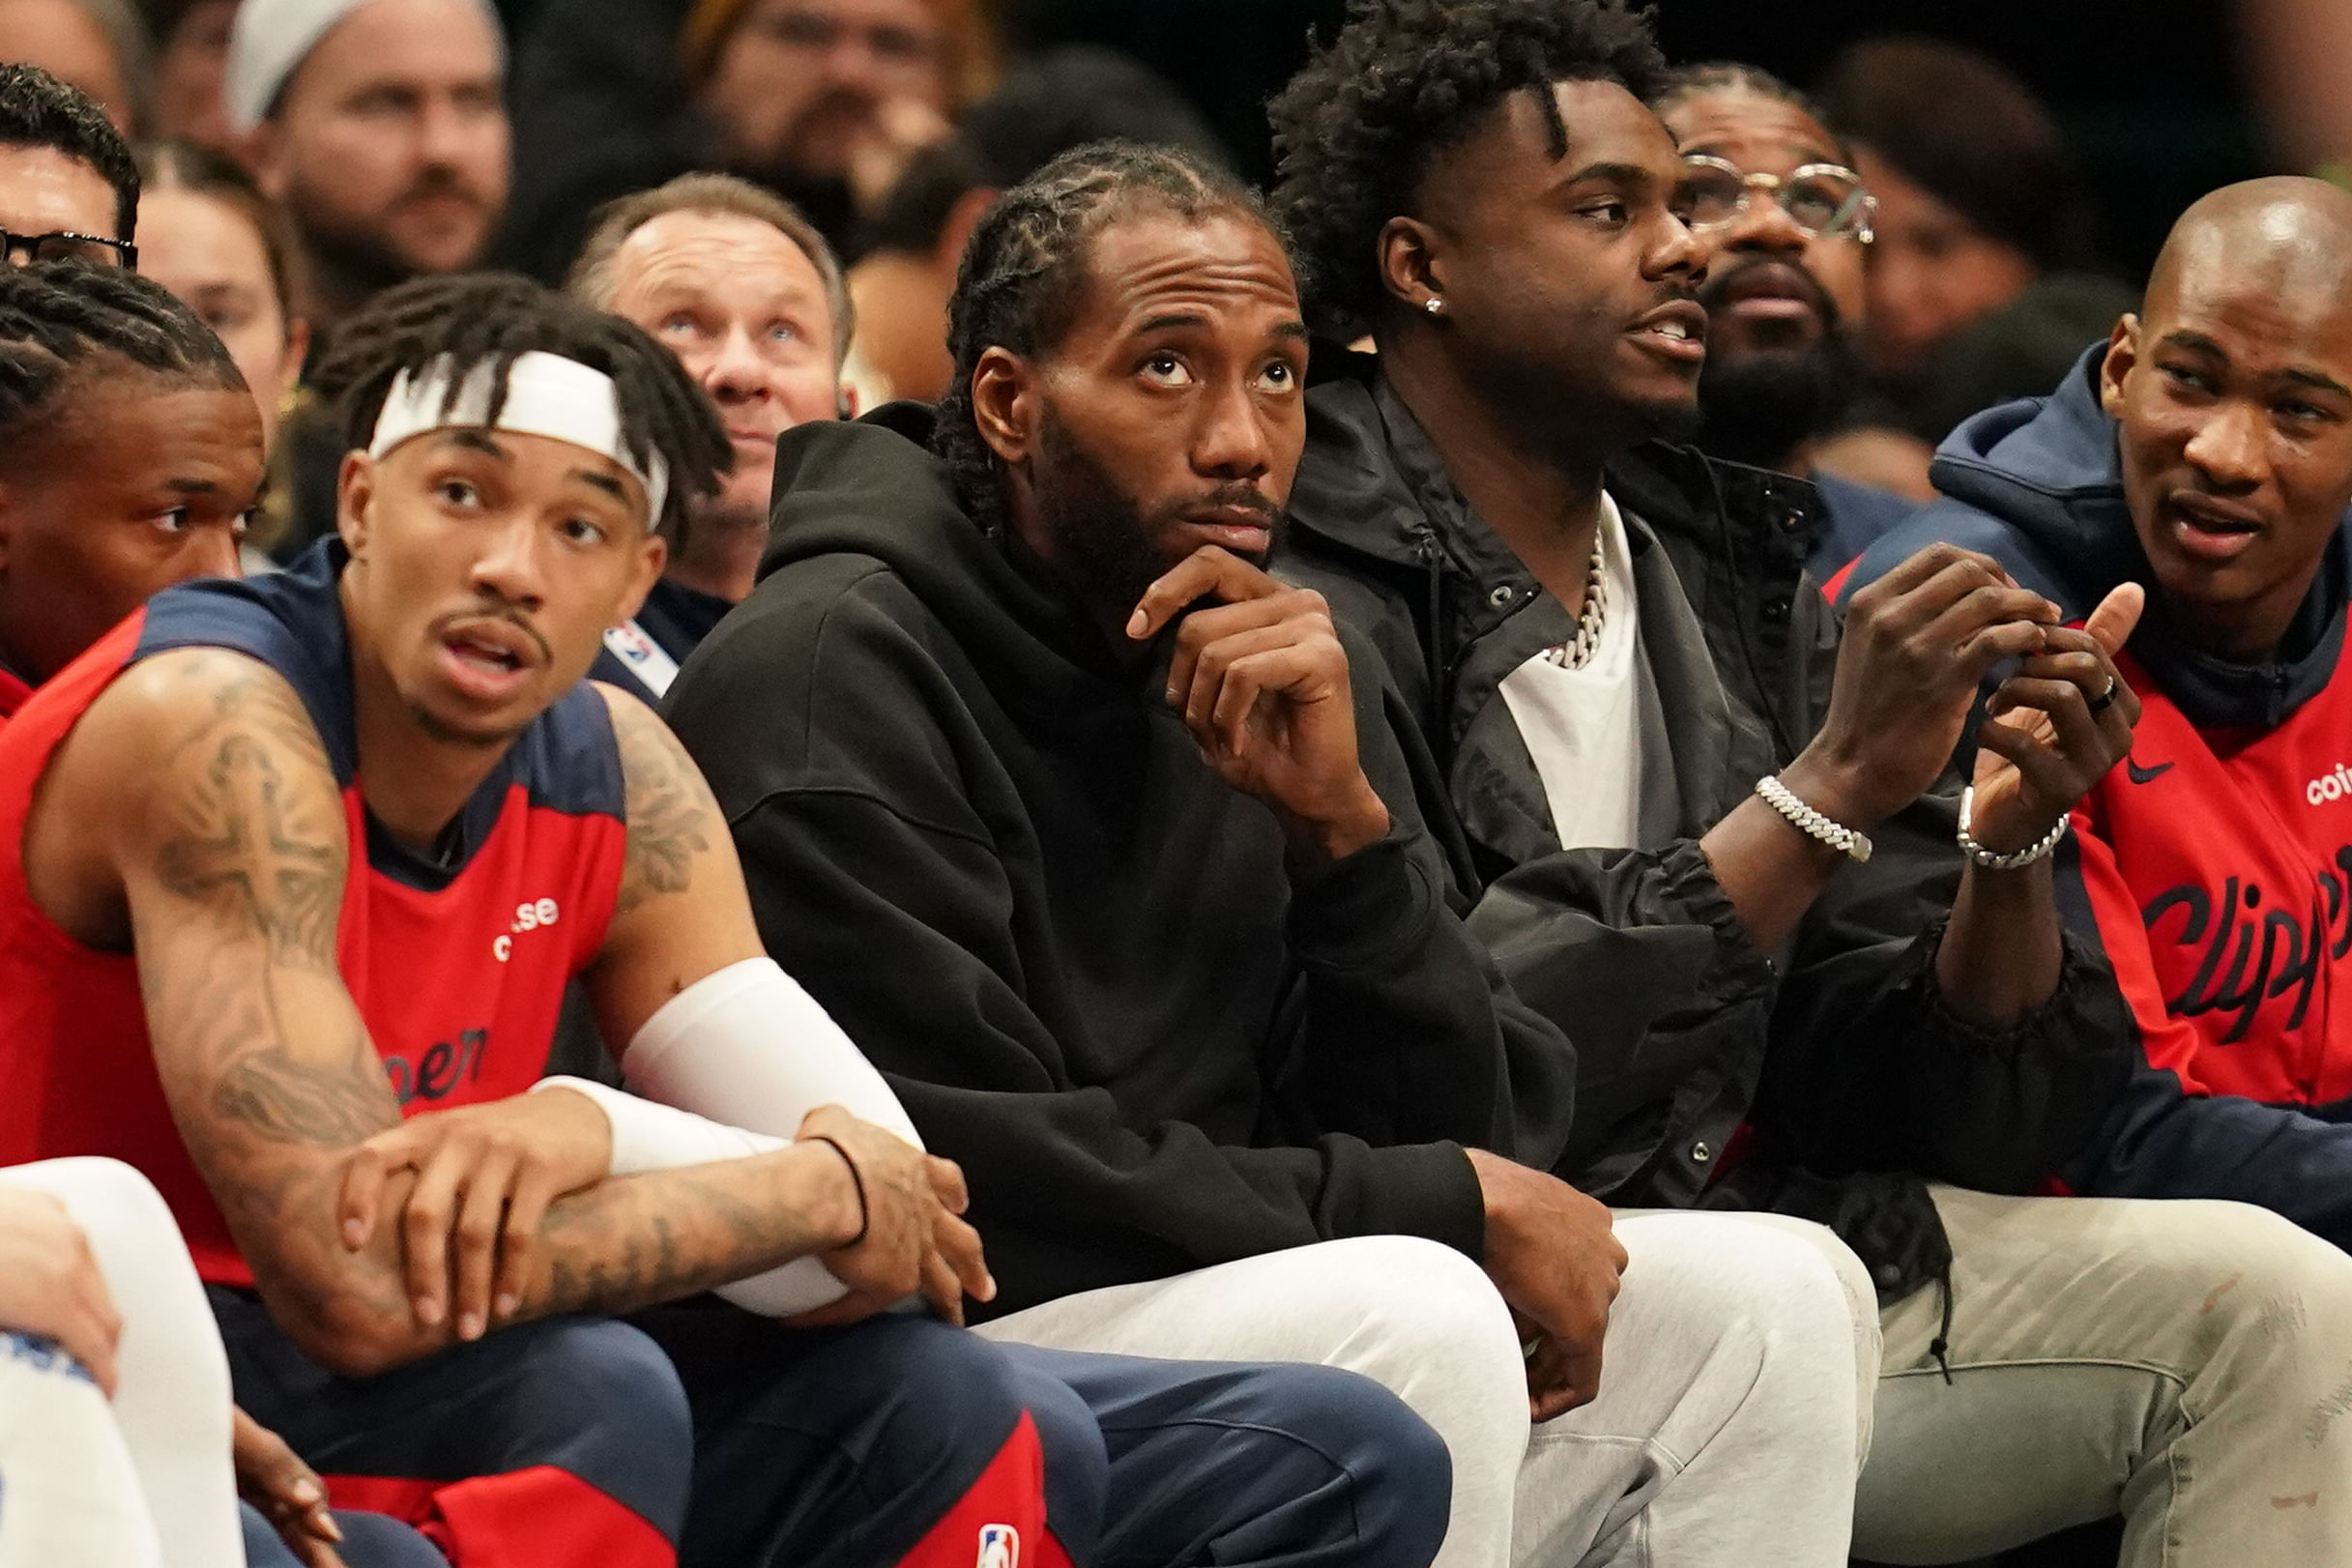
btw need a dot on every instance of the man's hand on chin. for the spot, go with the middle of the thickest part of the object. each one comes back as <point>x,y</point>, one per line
<point>1261,681</point>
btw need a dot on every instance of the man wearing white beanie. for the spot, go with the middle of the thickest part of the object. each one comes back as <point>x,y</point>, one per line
<point>381,126</point>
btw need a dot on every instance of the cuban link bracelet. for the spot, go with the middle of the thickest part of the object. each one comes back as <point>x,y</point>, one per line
<point>1993,860</point>
<point>1811,823</point>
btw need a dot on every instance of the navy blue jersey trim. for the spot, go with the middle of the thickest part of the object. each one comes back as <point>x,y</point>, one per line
<point>568,758</point>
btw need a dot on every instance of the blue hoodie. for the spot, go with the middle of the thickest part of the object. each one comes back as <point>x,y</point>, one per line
<point>2036,486</point>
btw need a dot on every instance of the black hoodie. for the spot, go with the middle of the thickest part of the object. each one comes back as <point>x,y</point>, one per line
<point>2214,864</point>
<point>1000,863</point>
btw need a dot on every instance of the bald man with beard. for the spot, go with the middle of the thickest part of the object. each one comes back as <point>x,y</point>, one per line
<point>2205,451</point>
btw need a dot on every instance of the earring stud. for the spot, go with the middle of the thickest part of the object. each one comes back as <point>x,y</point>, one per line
<point>1434,304</point>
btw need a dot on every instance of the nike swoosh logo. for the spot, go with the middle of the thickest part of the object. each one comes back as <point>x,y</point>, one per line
<point>2145,775</point>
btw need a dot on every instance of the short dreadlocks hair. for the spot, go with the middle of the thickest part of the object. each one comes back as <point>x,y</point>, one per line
<point>62,319</point>
<point>1024,274</point>
<point>1357,130</point>
<point>38,111</point>
<point>472,318</point>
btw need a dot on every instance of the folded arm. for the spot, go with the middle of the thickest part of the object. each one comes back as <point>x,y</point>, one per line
<point>224,829</point>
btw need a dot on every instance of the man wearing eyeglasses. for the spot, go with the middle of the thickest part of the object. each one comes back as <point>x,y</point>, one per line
<point>1774,196</point>
<point>1661,764</point>
<point>69,189</point>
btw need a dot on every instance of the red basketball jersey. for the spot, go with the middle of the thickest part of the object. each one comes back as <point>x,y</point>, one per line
<point>457,963</point>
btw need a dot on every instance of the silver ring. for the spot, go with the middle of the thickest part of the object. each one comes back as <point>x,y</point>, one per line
<point>2106,698</point>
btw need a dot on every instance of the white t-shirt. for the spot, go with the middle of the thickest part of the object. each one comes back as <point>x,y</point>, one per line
<point>1584,727</point>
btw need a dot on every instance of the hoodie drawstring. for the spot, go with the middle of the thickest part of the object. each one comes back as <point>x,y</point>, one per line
<point>1940,1347</point>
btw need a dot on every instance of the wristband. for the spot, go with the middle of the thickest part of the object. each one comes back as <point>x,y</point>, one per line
<point>1993,860</point>
<point>1811,823</point>
<point>865,1216</point>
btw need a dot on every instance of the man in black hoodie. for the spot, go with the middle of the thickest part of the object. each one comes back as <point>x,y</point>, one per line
<point>1082,825</point>
<point>2206,449</point>
<point>1605,643</point>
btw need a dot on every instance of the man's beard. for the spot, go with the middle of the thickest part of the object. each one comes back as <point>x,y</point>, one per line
<point>360,251</point>
<point>1100,536</point>
<point>1759,405</point>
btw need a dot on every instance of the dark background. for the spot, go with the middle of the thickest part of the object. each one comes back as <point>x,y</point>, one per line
<point>2149,90</point>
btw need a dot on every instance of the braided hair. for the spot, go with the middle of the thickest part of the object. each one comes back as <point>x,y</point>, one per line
<point>1024,275</point>
<point>62,319</point>
<point>1687,82</point>
<point>1357,130</point>
<point>495,318</point>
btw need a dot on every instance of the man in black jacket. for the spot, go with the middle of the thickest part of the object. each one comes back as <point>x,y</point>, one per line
<point>1082,825</point>
<point>1603,664</point>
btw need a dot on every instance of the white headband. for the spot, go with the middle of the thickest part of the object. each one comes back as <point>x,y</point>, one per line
<point>546,396</point>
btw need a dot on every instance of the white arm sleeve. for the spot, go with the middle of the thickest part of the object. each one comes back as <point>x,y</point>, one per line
<point>748,1047</point>
<point>728,1068</point>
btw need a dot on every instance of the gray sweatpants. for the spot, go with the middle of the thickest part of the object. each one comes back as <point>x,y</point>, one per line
<point>1731,1412</point>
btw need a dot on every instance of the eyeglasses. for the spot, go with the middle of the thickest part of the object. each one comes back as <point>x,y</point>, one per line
<point>65,246</point>
<point>1824,200</point>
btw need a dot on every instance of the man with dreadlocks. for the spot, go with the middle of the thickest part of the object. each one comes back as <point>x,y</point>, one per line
<point>133,453</point>
<point>1607,642</point>
<point>1085,826</point>
<point>306,865</point>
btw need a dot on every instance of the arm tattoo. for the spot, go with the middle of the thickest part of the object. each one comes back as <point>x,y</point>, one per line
<point>288,1100</point>
<point>671,814</point>
<point>641,1241</point>
<point>261,848</point>
<point>242,849</point>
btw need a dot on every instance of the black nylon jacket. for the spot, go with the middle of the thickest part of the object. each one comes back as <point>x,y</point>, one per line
<point>1856,1084</point>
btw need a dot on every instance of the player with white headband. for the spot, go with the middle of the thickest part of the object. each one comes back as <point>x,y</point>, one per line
<point>306,863</point>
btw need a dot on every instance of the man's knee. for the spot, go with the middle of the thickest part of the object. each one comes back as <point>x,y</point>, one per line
<point>2244,1274</point>
<point>1783,1299</point>
<point>1398,1476</point>
<point>107,1198</point>
<point>1399,1304</point>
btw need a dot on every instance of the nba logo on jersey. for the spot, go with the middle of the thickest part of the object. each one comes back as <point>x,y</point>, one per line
<point>999,1547</point>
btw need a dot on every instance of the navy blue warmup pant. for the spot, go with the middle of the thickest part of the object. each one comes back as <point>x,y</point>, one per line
<point>707,1437</point>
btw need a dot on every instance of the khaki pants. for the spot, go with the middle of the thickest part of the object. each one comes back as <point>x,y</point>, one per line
<point>2187,1364</point>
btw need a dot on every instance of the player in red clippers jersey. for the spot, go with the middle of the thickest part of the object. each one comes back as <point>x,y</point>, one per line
<point>2206,449</point>
<point>306,864</point>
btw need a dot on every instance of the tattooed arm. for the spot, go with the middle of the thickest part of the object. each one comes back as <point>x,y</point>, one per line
<point>193,811</point>
<point>683,912</point>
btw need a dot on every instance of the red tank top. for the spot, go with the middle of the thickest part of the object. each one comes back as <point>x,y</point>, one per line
<point>458,965</point>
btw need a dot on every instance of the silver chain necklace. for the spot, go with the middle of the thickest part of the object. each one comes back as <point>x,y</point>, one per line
<point>1577,652</point>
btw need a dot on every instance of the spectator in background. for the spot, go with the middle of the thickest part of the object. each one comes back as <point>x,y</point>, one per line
<point>812,96</point>
<point>739,287</point>
<point>1784,292</point>
<point>1980,217</point>
<point>211,237</point>
<point>822,100</point>
<point>192,52</point>
<point>68,186</point>
<point>910,249</point>
<point>96,46</point>
<point>381,126</point>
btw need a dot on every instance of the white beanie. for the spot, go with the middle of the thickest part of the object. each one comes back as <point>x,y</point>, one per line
<point>271,39</point>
